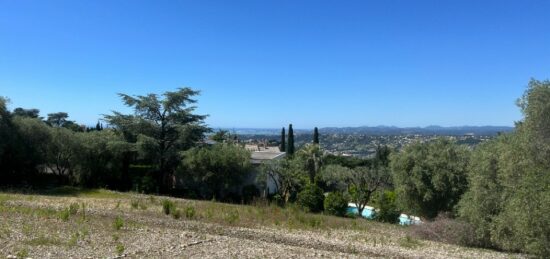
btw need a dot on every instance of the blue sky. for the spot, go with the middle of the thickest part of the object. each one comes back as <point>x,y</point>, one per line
<point>265,64</point>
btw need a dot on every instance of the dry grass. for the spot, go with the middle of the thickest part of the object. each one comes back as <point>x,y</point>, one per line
<point>98,223</point>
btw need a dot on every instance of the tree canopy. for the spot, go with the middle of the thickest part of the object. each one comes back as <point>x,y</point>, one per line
<point>161,126</point>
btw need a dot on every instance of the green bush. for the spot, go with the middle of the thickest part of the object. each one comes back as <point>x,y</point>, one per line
<point>190,212</point>
<point>336,204</point>
<point>387,206</point>
<point>64,214</point>
<point>118,223</point>
<point>249,192</point>
<point>311,198</point>
<point>168,206</point>
<point>176,214</point>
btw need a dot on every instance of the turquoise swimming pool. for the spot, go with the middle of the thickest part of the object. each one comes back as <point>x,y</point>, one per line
<point>368,213</point>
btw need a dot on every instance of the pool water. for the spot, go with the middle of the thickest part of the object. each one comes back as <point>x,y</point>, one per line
<point>367,213</point>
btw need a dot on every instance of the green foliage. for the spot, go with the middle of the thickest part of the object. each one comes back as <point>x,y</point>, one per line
<point>232,217</point>
<point>223,136</point>
<point>509,196</point>
<point>311,198</point>
<point>430,177</point>
<point>161,127</point>
<point>359,183</point>
<point>217,168</point>
<point>283,140</point>
<point>28,113</point>
<point>168,206</point>
<point>249,192</point>
<point>288,175</point>
<point>290,148</point>
<point>336,204</point>
<point>118,223</point>
<point>316,136</point>
<point>190,212</point>
<point>176,213</point>
<point>119,249</point>
<point>58,119</point>
<point>387,206</point>
<point>64,215</point>
<point>311,157</point>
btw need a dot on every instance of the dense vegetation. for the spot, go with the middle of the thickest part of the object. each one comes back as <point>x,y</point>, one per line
<point>497,194</point>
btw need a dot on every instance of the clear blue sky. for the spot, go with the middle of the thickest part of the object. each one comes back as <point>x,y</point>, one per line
<point>266,63</point>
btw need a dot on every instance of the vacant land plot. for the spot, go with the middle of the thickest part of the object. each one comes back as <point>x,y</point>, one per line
<point>104,224</point>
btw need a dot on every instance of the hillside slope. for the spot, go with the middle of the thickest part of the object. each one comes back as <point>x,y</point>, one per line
<point>99,224</point>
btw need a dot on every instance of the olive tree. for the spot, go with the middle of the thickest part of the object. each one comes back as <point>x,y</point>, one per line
<point>430,177</point>
<point>360,182</point>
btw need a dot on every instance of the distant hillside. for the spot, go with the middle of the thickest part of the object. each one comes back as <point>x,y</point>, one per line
<point>430,130</point>
<point>387,130</point>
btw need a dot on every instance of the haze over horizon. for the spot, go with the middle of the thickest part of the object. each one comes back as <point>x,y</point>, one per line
<point>264,64</point>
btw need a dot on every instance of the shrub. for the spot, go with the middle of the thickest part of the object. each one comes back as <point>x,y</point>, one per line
<point>120,249</point>
<point>64,214</point>
<point>167,206</point>
<point>249,192</point>
<point>176,214</point>
<point>190,212</point>
<point>118,223</point>
<point>336,204</point>
<point>311,198</point>
<point>447,230</point>
<point>388,211</point>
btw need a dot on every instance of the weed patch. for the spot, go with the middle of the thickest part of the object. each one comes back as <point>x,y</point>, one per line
<point>118,223</point>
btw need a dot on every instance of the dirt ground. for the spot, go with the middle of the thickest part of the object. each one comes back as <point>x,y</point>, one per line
<point>115,225</point>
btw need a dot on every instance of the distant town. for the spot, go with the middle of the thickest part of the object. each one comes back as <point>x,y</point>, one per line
<point>363,141</point>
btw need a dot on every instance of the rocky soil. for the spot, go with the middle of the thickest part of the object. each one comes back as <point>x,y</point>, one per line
<point>134,226</point>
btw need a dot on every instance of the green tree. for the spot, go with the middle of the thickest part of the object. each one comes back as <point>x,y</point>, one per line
<point>430,177</point>
<point>288,176</point>
<point>312,158</point>
<point>311,198</point>
<point>57,119</point>
<point>30,113</point>
<point>283,137</point>
<point>161,128</point>
<point>60,152</point>
<point>102,160</point>
<point>219,167</point>
<point>31,139</point>
<point>509,195</point>
<point>98,126</point>
<point>387,207</point>
<point>316,136</point>
<point>360,183</point>
<point>6,135</point>
<point>290,148</point>
<point>336,204</point>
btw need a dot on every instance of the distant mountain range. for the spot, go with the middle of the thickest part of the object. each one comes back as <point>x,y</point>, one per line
<point>385,130</point>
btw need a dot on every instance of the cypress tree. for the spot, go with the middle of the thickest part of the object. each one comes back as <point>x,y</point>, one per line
<point>290,149</point>
<point>315,136</point>
<point>283,144</point>
<point>98,126</point>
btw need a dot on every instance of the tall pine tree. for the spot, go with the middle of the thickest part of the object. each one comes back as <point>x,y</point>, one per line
<point>283,143</point>
<point>290,149</point>
<point>316,136</point>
